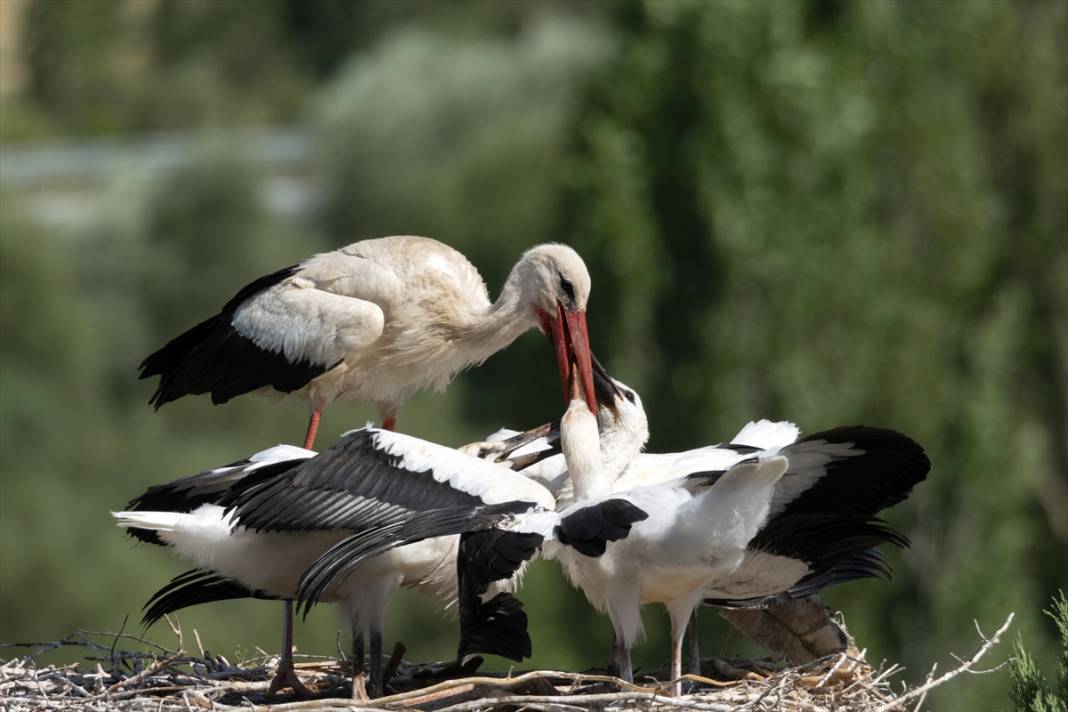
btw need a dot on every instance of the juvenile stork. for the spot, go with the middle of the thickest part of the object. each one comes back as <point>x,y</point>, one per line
<point>374,321</point>
<point>814,526</point>
<point>377,511</point>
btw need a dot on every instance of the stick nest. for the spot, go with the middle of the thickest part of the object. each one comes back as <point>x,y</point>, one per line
<point>165,680</point>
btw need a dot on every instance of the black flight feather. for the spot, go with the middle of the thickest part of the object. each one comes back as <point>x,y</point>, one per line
<point>883,475</point>
<point>210,487</point>
<point>392,531</point>
<point>354,485</point>
<point>499,626</point>
<point>193,588</point>
<point>494,627</point>
<point>588,530</point>
<point>212,357</point>
<point>832,526</point>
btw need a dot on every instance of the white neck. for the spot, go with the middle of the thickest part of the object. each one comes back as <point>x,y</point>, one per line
<point>581,446</point>
<point>500,325</point>
<point>623,436</point>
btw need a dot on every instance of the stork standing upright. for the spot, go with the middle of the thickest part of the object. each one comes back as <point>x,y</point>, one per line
<point>375,321</point>
<point>818,529</point>
<point>376,511</point>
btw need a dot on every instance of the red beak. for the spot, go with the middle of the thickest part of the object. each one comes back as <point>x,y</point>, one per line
<point>578,341</point>
<point>571,343</point>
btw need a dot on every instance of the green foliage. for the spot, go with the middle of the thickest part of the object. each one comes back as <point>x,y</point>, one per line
<point>848,212</point>
<point>1030,692</point>
<point>822,211</point>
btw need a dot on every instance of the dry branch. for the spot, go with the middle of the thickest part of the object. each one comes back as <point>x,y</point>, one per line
<point>175,681</point>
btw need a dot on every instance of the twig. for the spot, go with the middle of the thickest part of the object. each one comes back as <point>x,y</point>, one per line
<point>394,662</point>
<point>922,690</point>
<point>135,679</point>
<point>592,700</point>
<point>176,628</point>
<point>200,646</point>
<point>930,676</point>
<point>508,683</point>
<point>122,629</point>
<point>832,671</point>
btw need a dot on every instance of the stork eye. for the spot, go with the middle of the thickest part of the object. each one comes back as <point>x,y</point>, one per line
<point>628,394</point>
<point>568,288</point>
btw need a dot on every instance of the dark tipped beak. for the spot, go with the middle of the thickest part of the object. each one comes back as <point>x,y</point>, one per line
<point>549,431</point>
<point>555,328</point>
<point>578,343</point>
<point>519,440</point>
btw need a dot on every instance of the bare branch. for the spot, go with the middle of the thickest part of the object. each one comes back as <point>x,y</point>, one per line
<point>923,689</point>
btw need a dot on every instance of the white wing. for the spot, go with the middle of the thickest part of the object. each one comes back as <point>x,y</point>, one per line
<point>767,434</point>
<point>332,309</point>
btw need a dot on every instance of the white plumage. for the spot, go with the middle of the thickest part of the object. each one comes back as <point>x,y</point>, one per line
<point>400,484</point>
<point>695,536</point>
<point>810,526</point>
<point>374,321</point>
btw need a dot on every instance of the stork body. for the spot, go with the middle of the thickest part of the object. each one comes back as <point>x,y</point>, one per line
<point>817,529</point>
<point>695,536</point>
<point>377,511</point>
<point>374,321</point>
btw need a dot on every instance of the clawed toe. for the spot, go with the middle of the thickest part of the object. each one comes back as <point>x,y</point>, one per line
<point>287,677</point>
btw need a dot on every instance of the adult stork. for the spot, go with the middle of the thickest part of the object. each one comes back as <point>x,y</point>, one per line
<point>374,321</point>
<point>376,511</point>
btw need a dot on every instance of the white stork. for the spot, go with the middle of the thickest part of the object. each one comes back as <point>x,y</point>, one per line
<point>817,529</point>
<point>378,510</point>
<point>374,321</point>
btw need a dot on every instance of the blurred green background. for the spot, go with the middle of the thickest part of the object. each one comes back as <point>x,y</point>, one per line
<point>822,211</point>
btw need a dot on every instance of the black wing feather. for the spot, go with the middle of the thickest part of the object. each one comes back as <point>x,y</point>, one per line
<point>403,528</point>
<point>832,526</point>
<point>354,485</point>
<point>211,486</point>
<point>193,588</point>
<point>865,564</point>
<point>494,627</point>
<point>589,529</point>
<point>890,466</point>
<point>498,626</point>
<point>212,357</point>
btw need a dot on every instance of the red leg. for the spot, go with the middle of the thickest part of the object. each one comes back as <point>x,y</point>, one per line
<point>390,422</point>
<point>313,428</point>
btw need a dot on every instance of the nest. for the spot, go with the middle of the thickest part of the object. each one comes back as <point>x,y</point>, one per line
<point>165,680</point>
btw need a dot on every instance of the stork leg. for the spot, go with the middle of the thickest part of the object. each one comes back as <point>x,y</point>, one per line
<point>286,676</point>
<point>681,613</point>
<point>621,659</point>
<point>695,644</point>
<point>313,428</point>
<point>376,663</point>
<point>387,412</point>
<point>359,669</point>
<point>677,634</point>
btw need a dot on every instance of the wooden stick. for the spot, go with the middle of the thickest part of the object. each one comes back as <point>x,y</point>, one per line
<point>923,689</point>
<point>591,700</point>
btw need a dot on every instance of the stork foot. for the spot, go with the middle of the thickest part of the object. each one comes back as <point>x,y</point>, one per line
<point>287,677</point>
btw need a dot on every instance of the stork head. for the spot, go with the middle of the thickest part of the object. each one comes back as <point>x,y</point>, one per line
<point>554,281</point>
<point>621,420</point>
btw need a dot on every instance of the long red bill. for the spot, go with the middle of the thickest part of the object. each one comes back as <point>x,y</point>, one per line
<point>578,342</point>
<point>554,327</point>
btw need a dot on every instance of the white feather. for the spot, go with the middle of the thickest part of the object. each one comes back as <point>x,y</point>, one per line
<point>491,483</point>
